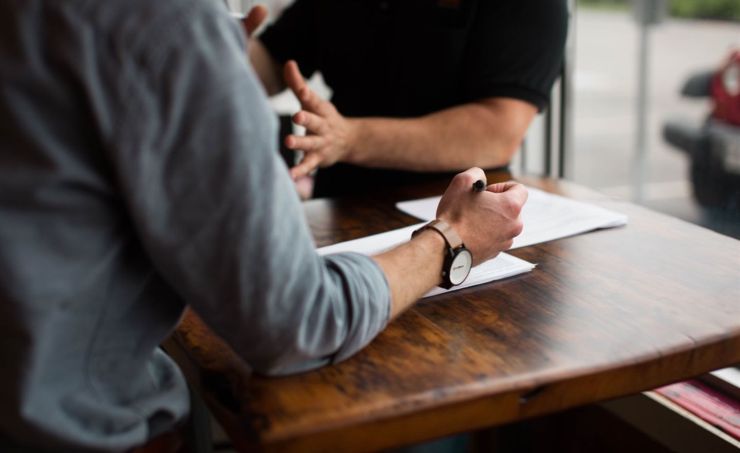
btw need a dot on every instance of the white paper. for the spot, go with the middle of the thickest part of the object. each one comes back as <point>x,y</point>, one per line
<point>502,266</point>
<point>372,245</point>
<point>546,217</point>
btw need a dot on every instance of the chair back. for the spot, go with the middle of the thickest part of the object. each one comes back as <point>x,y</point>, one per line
<point>548,147</point>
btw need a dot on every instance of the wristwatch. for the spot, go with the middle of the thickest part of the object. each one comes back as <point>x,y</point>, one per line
<point>458,260</point>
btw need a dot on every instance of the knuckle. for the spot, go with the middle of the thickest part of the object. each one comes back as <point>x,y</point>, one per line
<point>518,227</point>
<point>509,206</point>
<point>458,179</point>
<point>512,206</point>
<point>325,106</point>
<point>521,191</point>
<point>476,173</point>
<point>524,190</point>
<point>464,178</point>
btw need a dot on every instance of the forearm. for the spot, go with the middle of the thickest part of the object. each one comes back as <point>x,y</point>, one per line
<point>342,309</point>
<point>476,134</point>
<point>412,269</point>
<point>268,70</point>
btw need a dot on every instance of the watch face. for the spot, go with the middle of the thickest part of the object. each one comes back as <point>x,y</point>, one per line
<point>461,265</point>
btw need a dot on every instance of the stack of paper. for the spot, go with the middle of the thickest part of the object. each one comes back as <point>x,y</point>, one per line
<point>545,216</point>
<point>502,266</point>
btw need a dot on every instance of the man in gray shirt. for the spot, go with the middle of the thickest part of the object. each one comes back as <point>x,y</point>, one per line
<point>139,175</point>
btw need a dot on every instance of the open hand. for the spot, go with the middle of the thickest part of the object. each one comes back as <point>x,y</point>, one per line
<point>329,135</point>
<point>487,221</point>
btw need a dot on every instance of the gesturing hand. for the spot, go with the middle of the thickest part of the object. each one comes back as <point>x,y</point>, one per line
<point>487,221</point>
<point>329,135</point>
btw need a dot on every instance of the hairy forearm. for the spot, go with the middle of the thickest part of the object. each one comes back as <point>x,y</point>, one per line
<point>481,134</point>
<point>412,269</point>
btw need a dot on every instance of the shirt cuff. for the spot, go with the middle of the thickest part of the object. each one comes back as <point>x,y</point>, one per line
<point>367,294</point>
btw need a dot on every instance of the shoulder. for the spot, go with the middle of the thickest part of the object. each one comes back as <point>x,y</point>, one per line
<point>554,12</point>
<point>145,25</point>
<point>535,11</point>
<point>528,23</point>
<point>551,12</point>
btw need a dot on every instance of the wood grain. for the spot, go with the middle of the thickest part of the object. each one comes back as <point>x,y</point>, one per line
<point>604,314</point>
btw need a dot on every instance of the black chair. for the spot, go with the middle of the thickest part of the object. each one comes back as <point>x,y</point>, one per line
<point>557,122</point>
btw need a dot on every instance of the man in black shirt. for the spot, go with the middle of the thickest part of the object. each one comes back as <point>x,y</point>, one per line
<point>420,86</point>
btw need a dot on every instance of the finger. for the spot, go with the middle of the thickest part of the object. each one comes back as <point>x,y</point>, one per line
<point>516,189</point>
<point>303,143</point>
<point>507,245</point>
<point>293,78</point>
<point>304,187</point>
<point>465,180</point>
<point>307,165</point>
<point>514,198</point>
<point>252,21</point>
<point>518,227</point>
<point>308,98</point>
<point>518,192</point>
<point>311,101</point>
<point>310,121</point>
<point>501,187</point>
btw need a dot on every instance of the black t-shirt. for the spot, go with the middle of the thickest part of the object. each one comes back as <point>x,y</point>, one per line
<point>405,58</point>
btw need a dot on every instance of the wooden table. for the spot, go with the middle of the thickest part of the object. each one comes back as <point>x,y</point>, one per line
<point>603,315</point>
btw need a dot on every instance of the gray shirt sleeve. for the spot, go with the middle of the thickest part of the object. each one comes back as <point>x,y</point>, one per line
<point>195,155</point>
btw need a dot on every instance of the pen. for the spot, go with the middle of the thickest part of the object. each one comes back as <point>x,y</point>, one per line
<point>479,186</point>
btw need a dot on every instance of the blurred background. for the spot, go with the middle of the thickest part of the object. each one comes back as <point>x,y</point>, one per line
<point>693,36</point>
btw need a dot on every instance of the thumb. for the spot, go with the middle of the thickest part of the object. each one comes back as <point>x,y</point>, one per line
<point>252,21</point>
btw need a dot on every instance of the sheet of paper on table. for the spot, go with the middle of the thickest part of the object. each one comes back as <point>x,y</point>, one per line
<point>502,266</point>
<point>546,216</point>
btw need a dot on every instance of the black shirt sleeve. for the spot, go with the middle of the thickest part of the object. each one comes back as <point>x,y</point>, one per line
<point>515,49</point>
<point>294,36</point>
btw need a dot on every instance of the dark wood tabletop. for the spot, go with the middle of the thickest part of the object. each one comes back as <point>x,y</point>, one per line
<point>604,314</point>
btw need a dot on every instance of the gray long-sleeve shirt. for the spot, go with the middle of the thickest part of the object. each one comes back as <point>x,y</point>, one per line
<point>138,174</point>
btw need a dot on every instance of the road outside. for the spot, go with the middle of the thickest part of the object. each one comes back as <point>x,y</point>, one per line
<point>605,105</point>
